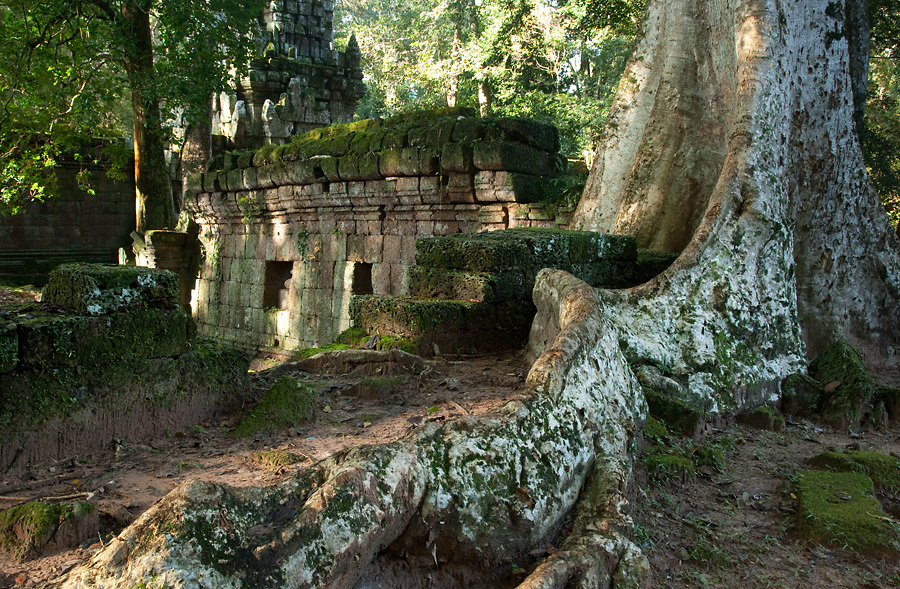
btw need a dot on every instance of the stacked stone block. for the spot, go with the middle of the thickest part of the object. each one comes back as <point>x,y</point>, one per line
<point>472,293</point>
<point>73,227</point>
<point>347,203</point>
<point>298,81</point>
<point>107,353</point>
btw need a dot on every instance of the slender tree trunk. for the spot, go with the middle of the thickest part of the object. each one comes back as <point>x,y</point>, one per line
<point>153,200</point>
<point>485,98</point>
<point>733,132</point>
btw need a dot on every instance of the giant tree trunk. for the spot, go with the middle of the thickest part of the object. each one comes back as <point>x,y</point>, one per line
<point>732,141</point>
<point>153,199</point>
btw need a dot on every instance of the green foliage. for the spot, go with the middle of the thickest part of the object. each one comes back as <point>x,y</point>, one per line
<point>66,67</point>
<point>556,62</point>
<point>881,135</point>
<point>287,403</point>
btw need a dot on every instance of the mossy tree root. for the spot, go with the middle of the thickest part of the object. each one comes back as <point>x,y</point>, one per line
<point>476,492</point>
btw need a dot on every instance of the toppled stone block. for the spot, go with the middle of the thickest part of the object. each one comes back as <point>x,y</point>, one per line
<point>838,510</point>
<point>441,283</point>
<point>800,395</point>
<point>677,415</point>
<point>91,341</point>
<point>650,263</point>
<point>99,289</point>
<point>764,418</point>
<point>849,389</point>
<point>452,326</point>
<point>515,249</point>
<point>511,157</point>
<point>36,529</point>
<point>538,135</point>
<point>884,470</point>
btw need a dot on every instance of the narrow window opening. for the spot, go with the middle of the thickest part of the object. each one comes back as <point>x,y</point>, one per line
<point>277,285</point>
<point>362,279</point>
<point>326,187</point>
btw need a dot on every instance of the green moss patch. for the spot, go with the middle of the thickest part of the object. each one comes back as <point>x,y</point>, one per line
<point>677,415</point>
<point>884,470</point>
<point>310,352</point>
<point>837,509</point>
<point>763,417</point>
<point>849,402</point>
<point>287,403</point>
<point>655,431</point>
<point>96,289</point>
<point>664,467</point>
<point>28,530</point>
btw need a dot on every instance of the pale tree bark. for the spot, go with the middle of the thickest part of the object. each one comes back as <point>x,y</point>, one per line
<point>733,132</point>
<point>732,138</point>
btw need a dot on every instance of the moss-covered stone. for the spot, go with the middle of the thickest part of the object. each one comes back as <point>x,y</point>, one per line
<point>78,403</point>
<point>32,529</point>
<point>664,467</point>
<point>676,414</point>
<point>83,341</point>
<point>9,346</point>
<point>655,431</point>
<point>429,282</point>
<point>838,509</point>
<point>800,395</point>
<point>518,249</point>
<point>512,157</point>
<point>884,470</point>
<point>849,402</point>
<point>454,326</point>
<point>763,417</point>
<point>287,403</point>
<point>95,289</point>
<point>650,263</point>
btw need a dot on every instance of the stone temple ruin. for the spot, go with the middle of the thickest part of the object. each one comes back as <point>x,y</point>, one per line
<point>299,82</point>
<point>291,232</point>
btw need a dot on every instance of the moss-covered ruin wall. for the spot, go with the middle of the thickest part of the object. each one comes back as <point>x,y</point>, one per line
<point>107,354</point>
<point>291,231</point>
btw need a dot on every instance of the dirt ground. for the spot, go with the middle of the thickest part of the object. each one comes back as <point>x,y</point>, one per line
<point>125,481</point>
<point>734,528</point>
<point>730,527</point>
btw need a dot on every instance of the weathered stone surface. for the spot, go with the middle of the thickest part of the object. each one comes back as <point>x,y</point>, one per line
<point>79,340</point>
<point>841,371</point>
<point>36,529</point>
<point>764,417</point>
<point>430,282</point>
<point>513,157</point>
<point>57,411</point>
<point>838,510</point>
<point>95,289</point>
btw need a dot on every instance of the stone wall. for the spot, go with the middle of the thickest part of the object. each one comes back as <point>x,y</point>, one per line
<point>107,354</point>
<point>291,232</point>
<point>74,227</point>
<point>298,81</point>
